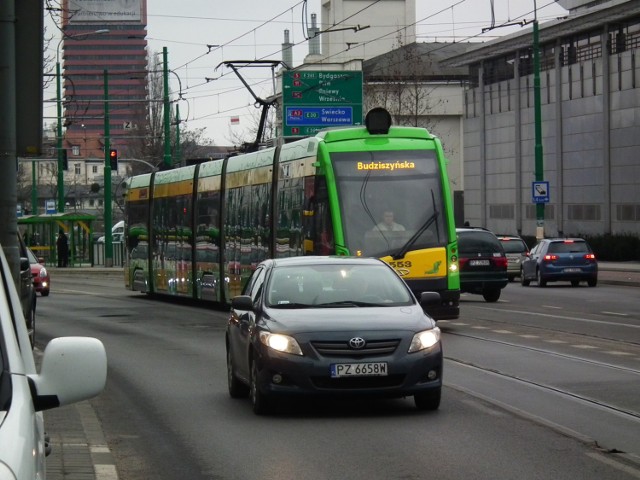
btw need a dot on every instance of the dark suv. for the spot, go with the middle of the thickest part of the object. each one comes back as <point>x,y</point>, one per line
<point>483,263</point>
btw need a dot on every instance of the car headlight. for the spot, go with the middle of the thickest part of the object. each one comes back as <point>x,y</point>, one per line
<point>43,273</point>
<point>424,339</point>
<point>280,343</point>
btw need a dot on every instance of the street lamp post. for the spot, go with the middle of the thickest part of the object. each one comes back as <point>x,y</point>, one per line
<point>539,163</point>
<point>59,113</point>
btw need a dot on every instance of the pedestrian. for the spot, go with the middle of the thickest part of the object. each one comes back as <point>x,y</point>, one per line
<point>63,249</point>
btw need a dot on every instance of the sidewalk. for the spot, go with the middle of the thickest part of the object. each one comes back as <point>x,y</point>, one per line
<point>79,449</point>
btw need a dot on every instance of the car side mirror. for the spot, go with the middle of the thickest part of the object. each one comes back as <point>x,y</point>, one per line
<point>242,302</point>
<point>24,264</point>
<point>429,299</point>
<point>72,369</point>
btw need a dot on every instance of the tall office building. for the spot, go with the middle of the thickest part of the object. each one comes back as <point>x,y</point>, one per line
<point>103,36</point>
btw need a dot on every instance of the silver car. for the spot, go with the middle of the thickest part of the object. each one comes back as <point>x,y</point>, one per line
<point>516,251</point>
<point>72,369</point>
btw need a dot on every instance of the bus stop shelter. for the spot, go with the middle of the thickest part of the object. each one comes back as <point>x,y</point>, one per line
<point>41,231</point>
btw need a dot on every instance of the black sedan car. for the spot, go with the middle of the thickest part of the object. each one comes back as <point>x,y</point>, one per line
<point>336,326</point>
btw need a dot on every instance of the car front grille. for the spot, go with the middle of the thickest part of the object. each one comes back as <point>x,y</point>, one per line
<point>342,349</point>
<point>357,382</point>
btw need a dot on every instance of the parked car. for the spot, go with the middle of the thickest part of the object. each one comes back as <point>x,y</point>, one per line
<point>27,290</point>
<point>560,259</point>
<point>25,393</point>
<point>40,274</point>
<point>334,326</point>
<point>516,250</point>
<point>482,263</point>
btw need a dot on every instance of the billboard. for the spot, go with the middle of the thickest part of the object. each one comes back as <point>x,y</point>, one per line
<point>82,11</point>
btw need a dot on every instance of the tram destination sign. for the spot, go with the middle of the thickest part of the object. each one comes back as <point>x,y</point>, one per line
<point>313,100</point>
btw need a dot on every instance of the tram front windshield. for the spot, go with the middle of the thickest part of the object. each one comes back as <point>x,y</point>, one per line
<point>391,201</point>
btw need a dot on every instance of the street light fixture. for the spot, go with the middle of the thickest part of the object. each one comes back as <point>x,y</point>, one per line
<point>59,113</point>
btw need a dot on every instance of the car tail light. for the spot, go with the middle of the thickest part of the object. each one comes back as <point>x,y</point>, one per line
<point>501,261</point>
<point>590,256</point>
<point>463,262</point>
<point>550,258</point>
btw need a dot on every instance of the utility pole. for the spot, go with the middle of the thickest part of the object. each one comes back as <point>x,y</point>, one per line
<point>167,113</point>
<point>539,162</point>
<point>108,241</point>
<point>177,150</point>
<point>59,139</point>
<point>34,189</point>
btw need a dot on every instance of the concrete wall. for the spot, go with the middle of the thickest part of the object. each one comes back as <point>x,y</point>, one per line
<point>591,149</point>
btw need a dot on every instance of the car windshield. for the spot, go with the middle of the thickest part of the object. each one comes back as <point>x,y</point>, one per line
<point>514,246</point>
<point>568,247</point>
<point>478,242</point>
<point>330,286</point>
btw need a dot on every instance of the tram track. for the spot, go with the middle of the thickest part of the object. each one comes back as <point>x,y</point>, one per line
<point>631,414</point>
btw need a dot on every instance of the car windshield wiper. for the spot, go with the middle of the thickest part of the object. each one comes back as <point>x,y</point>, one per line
<point>405,248</point>
<point>291,305</point>
<point>350,303</point>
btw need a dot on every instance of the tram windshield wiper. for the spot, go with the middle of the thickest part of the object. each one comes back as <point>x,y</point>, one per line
<point>405,248</point>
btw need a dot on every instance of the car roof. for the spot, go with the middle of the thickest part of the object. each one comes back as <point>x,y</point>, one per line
<point>568,239</point>
<point>473,229</point>
<point>323,260</point>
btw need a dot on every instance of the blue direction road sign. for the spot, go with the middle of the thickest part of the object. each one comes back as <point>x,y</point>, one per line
<point>540,192</point>
<point>319,116</point>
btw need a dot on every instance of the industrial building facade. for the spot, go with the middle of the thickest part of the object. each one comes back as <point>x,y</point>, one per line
<point>590,110</point>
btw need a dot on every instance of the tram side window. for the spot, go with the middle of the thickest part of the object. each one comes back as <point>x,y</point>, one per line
<point>323,228</point>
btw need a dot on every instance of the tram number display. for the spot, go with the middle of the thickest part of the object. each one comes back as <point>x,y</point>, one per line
<point>401,264</point>
<point>371,369</point>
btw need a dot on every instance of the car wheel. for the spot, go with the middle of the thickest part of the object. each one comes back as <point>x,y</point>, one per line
<point>540,280</point>
<point>260,401</point>
<point>45,293</point>
<point>592,282</point>
<point>575,283</point>
<point>237,389</point>
<point>428,400</point>
<point>523,281</point>
<point>491,295</point>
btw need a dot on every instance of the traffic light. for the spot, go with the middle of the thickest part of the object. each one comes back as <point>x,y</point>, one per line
<point>113,159</point>
<point>65,161</point>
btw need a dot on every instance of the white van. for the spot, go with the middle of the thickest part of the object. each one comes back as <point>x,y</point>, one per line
<point>117,233</point>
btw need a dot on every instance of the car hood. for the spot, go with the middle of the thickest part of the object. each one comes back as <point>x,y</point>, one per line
<point>411,318</point>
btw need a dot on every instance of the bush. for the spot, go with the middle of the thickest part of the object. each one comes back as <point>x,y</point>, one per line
<point>615,248</point>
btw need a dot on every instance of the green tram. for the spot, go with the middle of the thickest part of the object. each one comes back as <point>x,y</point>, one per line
<point>199,231</point>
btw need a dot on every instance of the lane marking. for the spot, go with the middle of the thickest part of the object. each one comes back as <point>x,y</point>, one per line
<point>548,315</point>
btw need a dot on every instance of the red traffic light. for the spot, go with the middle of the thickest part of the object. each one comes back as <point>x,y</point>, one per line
<point>113,159</point>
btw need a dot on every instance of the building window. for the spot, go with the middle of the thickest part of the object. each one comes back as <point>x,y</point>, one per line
<point>502,211</point>
<point>94,169</point>
<point>75,150</point>
<point>92,202</point>
<point>532,214</point>
<point>77,168</point>
<point>583,212</point>
<point>628,212</point>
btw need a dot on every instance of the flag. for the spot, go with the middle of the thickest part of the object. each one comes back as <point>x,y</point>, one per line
<point>235,121</point>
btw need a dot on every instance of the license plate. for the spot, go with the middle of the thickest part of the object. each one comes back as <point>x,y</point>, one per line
<point>572,270</point>
<point>374,369</point>
<point>479,263</point>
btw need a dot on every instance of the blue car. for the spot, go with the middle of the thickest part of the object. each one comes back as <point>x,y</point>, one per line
<point>560,259</point>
